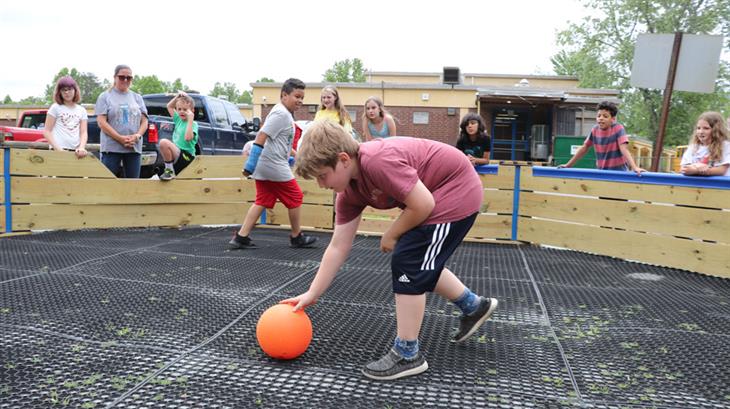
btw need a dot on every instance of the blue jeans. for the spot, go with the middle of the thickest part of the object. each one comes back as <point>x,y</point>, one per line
<point>132,163</point>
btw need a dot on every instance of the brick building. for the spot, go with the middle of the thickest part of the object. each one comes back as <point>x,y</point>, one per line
<point>523,113</point>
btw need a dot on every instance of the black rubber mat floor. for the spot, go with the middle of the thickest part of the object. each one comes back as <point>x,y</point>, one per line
<point>164,318</point>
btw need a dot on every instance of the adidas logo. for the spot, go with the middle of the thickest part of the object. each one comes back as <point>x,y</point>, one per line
<point>404,279</point>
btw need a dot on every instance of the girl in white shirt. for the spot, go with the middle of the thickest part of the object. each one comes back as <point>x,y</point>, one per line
<point>708,153</point>
<point>66,122</point>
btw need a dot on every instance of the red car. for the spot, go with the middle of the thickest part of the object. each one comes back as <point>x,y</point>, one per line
<point>29,129</point>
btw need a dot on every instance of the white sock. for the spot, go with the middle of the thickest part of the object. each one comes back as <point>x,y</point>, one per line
<point>168,165</point>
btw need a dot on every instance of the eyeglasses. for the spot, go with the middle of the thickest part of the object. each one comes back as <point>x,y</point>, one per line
<point>125,77</point>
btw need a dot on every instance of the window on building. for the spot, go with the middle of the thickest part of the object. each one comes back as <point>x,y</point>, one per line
<point>420,118</point>
<point>353,114</point>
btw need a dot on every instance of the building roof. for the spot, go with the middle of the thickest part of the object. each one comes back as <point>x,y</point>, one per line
<point>467,74</point>
<point>569,95</point>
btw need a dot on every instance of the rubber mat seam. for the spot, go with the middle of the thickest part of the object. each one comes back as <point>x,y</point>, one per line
<point>550,327</point>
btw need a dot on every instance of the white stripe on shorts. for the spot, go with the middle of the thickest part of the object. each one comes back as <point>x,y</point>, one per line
<point>439,236</point>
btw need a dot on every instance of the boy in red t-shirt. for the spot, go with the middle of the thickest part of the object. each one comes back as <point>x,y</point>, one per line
<point>440,194</point>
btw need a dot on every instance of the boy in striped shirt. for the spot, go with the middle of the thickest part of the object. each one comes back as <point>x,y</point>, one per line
<point>610,142</point>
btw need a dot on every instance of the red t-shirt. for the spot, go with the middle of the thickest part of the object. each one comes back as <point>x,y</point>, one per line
<point>390,168</point>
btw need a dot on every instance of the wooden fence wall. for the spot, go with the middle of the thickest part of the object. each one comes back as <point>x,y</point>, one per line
<point>55,190</point>
<point>667,220</point>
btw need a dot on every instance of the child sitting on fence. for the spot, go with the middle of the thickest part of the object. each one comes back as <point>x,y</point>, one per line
<point>609,140</point>
<point>708,153</point>
<point>440,195</point>
<point>179,152</point>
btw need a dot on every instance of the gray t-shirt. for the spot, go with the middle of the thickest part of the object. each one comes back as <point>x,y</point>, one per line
<point>274,161</point>
<point>124,112</point>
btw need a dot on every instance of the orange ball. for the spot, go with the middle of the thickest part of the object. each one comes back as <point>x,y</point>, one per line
<point>283,334</point>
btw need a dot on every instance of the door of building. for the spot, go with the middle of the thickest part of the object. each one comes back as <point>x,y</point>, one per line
<point>510,134</point>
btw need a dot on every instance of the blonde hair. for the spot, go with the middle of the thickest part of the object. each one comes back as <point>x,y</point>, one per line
<point>718,134</point>
<point>323,142</point>
<point>339,107</point>
<point>185,99</point>
<point>383,112</point>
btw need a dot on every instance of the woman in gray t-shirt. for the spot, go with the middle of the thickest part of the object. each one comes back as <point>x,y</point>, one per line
<point>122,118</point>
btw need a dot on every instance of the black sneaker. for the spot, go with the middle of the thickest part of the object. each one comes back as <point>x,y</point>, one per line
<point>393,366</point>
<point>468,324</point>
<point>241,242</point>
<point>302,240</point>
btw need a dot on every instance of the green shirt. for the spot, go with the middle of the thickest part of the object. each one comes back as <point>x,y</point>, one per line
<point>178,135</point>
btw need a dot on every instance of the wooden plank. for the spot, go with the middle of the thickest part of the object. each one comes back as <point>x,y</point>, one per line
<point>130,191</point>
<point>702,257</point>
<point>714,198</point>
<point>491,227</point>
<point>486,226</point>
<point>317,216</point>
<point>213,166</point>
<point>504,179</point>
<point>37,217</point>
<point>314,194</point>
<point>497,201</point>
<point>667,220</point>
<point>2,217</point>
<point>35,162</point>
<point>377,221</point>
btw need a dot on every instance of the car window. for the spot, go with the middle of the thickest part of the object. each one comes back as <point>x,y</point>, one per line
<point>234,114</point>
<point>158,106</point>
<point>35,121</point>
<point>218,114</point>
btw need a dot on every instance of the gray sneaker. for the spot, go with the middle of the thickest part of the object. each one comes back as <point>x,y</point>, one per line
<point>393,366</point>
<point>469,324</point>
<point>168,174</point>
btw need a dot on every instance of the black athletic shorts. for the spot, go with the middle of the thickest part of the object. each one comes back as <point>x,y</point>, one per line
<point>182,161</point>
<point>421,253</point>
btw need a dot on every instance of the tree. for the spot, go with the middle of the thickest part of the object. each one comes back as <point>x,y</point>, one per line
<point>600,50</point>
<point>246,97</point>
<point>89,85</point>
<point>149,84</point>
<point>345,71</point>
<point>176,86</point>
<point>7,100</point>
<point>227,90</point>
<point>33,101</point>
<point>265,79</point>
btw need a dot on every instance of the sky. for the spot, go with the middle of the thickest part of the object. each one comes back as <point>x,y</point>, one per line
<point>205,42</point>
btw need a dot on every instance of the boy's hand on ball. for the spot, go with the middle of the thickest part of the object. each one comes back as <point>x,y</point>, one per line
<point>301,301</point>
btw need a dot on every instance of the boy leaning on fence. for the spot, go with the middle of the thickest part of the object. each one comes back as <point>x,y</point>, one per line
<point>179,152</point>
<point>610,142</point>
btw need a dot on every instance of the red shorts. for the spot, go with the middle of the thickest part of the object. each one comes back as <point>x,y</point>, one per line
<point>288,193</point>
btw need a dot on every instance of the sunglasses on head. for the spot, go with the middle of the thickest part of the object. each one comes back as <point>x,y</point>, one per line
<point>125,77</point>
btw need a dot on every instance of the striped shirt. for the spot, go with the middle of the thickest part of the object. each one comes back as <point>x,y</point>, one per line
<point>606,143</point>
